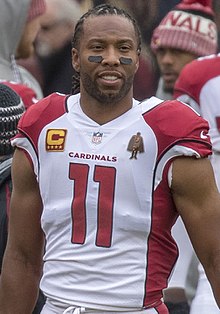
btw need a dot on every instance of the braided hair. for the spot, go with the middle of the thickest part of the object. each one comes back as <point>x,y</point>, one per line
<point>103,9</point>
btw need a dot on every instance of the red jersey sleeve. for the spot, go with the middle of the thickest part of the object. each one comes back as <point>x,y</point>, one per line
<point>176,124</point>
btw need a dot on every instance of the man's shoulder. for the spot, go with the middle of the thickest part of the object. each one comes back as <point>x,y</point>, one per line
<point>150,103</point>
<point>173,117</point>
<point>168,108</point>
<point>175,124</point>
<point>44,111</point>
<point>197,73</point>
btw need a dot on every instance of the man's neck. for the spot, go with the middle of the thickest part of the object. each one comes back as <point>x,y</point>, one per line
<point>104,113</point>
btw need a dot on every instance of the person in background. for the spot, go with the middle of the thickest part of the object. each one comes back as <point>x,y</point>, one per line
<point>185,33</point>
<point>26,93</point>
<point>216,9</point>
<point>19,25</point>
<point>198,85</point>
<point>11,110</point>
<point>98,221</point>
<point>53,45</point>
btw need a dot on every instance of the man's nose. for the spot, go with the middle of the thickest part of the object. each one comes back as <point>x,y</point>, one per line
<point>167,58</point>
<point>111,57</point>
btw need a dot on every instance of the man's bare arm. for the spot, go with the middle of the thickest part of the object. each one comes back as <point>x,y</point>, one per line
<point>198,202</point>
<point>22,264</point>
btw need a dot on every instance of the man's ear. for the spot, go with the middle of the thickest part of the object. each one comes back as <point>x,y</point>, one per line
<point>75,59</point>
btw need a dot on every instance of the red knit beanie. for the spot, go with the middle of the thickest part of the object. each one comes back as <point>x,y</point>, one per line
<point>189,27</point>
<point>37,7</point>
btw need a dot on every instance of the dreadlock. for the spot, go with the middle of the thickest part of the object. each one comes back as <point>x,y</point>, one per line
<point>103,9</point>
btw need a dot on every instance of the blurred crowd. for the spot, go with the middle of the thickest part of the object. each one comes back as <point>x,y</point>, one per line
<point>53,42</point>
<point>51,63</point>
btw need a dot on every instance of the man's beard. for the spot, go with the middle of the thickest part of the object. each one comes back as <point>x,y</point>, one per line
<point>106,98</point>
<point>168,90</point>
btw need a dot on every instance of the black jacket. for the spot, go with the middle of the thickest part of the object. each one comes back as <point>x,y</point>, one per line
<point>5,194</point>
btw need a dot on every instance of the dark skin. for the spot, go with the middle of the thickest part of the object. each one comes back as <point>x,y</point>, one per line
<point>21,255</point>
<point>192,197</point>
<point>106,87</point>
<point>99,59</point>
<point>171,61</point>
<point>193,185</point>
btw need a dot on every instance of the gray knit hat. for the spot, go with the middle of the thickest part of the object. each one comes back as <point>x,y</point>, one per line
<point>11,110</point>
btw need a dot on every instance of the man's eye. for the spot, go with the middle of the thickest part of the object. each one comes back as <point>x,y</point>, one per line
<point>177,52</point>
<point>97,47</point>
<point>161,51</point>
<point>124,48</point>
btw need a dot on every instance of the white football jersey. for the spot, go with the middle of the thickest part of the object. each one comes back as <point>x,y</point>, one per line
<point>199,86</point>
<point>107,207</point>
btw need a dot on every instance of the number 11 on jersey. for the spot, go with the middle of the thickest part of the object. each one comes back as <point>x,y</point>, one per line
<point>105,177</point>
